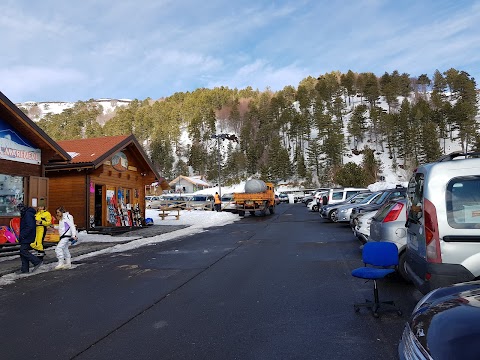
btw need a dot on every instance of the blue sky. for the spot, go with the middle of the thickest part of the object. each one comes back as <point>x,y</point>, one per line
<point>55,50</point>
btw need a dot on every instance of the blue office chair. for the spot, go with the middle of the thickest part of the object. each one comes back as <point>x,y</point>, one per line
<point>383,256</point>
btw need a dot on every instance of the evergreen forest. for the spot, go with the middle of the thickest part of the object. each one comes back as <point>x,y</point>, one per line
<point>299,134</point>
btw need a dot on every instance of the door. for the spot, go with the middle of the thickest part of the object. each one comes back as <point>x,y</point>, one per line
<point>37,188</point>
<point>99,204</point>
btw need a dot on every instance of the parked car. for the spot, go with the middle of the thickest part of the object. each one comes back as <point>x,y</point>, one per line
<point>387,195</point>
<point>326,211</point>
<point>337,195</point>
<point>342,213</point>
<point>201,202</point>
<point>443,227</point>
<point>283,197</point>
<point>228,204</point>
<point>362,229</point>
<point>445,324</point>
<point>176,201</point>
<point>388,224</point>
<point>153,202</point>
<point>307,199</point>
<point>317,202</point>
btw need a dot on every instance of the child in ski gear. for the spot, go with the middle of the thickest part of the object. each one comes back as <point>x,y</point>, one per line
<point>26,237</point>
<point>43,219</point>
<point>67,231</point>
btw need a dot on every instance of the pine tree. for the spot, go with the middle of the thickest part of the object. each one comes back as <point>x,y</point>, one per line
<point>350,174</point>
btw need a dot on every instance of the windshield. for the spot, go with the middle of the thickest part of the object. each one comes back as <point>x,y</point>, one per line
<point>369,197</point>
<point>382,198</point>
<point>359,197</point>
<point>199,198</point>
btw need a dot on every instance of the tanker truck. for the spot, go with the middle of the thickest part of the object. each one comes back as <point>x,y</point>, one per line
<point>258,196</point>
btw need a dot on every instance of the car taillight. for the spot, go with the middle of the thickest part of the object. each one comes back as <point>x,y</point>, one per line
<point>432,239</point>
<point>393,213</point>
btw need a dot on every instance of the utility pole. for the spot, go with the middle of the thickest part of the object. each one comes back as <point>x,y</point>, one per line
<point>231,137</point>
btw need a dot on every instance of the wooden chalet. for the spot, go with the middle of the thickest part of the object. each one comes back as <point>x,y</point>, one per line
<point>188,184</point>
<point>104,183</point>
<point>25,150</point>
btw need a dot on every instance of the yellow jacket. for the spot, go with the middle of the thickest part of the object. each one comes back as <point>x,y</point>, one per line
<point>44,217</point>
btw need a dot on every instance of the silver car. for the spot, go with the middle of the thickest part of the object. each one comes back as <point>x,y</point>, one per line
<point>388,224</point>
<point>443,227</point>
<point>228,204</point>
<point>342,213</point>
<point>329,211</point>
<point>362,228</point>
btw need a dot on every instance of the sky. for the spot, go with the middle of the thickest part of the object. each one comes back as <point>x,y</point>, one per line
<point>57,50</point>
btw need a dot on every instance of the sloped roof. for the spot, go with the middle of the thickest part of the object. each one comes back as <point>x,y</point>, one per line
<point>93,152</point>
<point>193,180</point>
<point>90,150</point>
<point>29,129</point>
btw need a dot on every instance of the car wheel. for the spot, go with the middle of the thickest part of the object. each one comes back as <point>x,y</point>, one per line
<point>315,207</point>
<point>333,216</point>
<point>401,267</point>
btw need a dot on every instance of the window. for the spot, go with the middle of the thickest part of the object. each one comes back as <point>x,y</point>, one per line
<point>337,195</point>
<point>415,197</point>
<point>463,202</point>
<point>11,194</point>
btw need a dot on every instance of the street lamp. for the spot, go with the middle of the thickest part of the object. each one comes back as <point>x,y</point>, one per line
<point>231,137</point>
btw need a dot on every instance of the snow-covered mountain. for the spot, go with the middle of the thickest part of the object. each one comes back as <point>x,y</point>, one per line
<point>37,110</point>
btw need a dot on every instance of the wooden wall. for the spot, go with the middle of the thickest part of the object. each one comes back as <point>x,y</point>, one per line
<point>72,189</point>
<point>15,168</point>
<point>68,189</point>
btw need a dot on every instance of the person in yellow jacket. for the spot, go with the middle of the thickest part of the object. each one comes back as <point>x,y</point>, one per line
<point>218,202</point>
<point>43,219</point>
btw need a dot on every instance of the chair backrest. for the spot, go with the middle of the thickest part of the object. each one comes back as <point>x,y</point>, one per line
<point>380,253</point>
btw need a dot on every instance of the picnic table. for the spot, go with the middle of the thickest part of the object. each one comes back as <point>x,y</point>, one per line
<point>169,211</point>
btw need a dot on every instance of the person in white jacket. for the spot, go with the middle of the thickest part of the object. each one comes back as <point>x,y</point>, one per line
<point>67,231</point>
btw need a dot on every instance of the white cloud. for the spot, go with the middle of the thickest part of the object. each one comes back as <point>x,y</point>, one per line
<point>21,81</point>
<point>139,49</point>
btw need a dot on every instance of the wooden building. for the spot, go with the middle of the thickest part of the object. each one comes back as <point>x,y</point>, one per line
<point>188,184</point>
<point>25,150</point>
<point>103,183</point>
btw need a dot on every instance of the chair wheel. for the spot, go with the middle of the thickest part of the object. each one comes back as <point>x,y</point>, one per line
<point>375,315</point>
<point>399,313</point>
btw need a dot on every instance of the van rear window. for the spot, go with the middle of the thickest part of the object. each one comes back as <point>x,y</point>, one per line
<point>463,202</point>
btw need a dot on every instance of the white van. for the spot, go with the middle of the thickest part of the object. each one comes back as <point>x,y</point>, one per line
<point>443,223</point>
<point>338,195</point>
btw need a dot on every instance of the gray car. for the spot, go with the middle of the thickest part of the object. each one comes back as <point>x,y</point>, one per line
<point>443,228</point>
<point>327,211</point>
<point>388,224</point>
<point>342,214</point>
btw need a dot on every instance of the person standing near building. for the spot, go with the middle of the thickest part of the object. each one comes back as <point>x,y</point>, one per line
<point>26,237</point>
<point>43,219</point>
<point>67,231</point>
<point>218,202</point>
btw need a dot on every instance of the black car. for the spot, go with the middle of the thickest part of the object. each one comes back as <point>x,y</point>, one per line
<point>445,324</point>
<point>389,194</point>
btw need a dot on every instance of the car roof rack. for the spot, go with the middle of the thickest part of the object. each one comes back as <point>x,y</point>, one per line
<point>455,154</point>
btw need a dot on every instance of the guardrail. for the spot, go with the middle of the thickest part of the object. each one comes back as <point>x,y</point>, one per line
<point>184,205</point>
